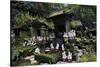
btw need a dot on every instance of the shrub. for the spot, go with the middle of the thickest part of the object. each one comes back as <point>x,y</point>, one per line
<point>20,51</point>
<point>22,19</point>
<point>87,58</point>
<point>75,23</point>
<point>46,58</point>
<point>78,39</point>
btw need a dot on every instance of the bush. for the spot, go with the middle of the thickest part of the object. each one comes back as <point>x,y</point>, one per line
<point>22,19</point>
<point>46,58</point>
<point>75,23</point>
<point>87,58</point>
<point>78,39</point>
<point>20,51</point>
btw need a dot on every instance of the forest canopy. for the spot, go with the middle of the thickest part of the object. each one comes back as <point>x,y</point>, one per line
<point>44,10</point>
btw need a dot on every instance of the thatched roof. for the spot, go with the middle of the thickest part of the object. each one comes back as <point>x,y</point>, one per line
<point>63,11</point>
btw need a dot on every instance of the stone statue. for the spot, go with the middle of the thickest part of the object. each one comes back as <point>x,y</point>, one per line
<point>24,44</point>
<point>57,46</point>
<point>64,56</point>
<point>65,35</point>
<point>69,56</point>
<point>37,50</point>
<point>63,47</point>
<point>51,46</point>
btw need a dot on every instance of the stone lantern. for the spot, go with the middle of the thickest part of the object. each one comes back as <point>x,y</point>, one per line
<point>43,32</point>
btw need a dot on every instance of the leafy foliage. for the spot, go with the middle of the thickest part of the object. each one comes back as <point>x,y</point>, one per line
<point>46,58</point>
<point>20,50</point>
<point>26,14</point>
<point>87,58</point>
<point>22,19</point>
<point>74,24</point>
<point>78,39</point>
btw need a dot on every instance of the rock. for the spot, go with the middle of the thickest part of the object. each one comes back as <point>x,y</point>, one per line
<point>34,62</point>
<point>47,49</point>
<point>29,57</point>
<point>32,59</point>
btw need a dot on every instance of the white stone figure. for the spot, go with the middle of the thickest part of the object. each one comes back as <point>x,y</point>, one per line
<point>57,46</point>
<point>64,56</point>
<point>24,44</point>
<point>37,50</point>
<point>63,47</point>
<point>51,46</point>
<point>33,38</point>
<point>40,38</point>
<point>76,47</point>
<point>74,33</point>
<point>69,34</point>
<point>69,55</point>
<point>80,52</point>
<point>73,44</point>
<point>28,43</point>
<point>65,35</point>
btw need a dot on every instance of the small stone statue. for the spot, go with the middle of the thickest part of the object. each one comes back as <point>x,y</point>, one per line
<point>51,46</point>
<point>37,50</point>
<point>57,46</point>
<point>63,47</point>
<point>65,35</point>
<point>40,38</point>
<point>69,56</point>
<point>64,56</point>
<point>24,44</point>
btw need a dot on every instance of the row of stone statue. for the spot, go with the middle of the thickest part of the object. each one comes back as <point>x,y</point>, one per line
<point>70,34</point>
<point>64,55</point>
<point>32,41</point>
